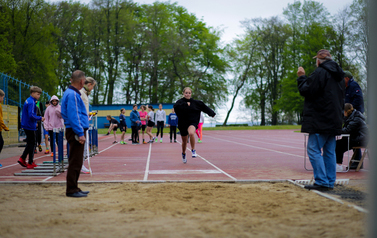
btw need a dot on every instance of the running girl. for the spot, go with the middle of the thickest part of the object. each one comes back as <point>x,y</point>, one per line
<point>188,112</point>
<point>122,125</point>
<point>143,118</point>
<point>113,127</point>
<point>150,124</point>
<point>160,119</point>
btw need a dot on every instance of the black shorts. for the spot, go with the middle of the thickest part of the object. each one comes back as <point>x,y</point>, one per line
<point>183,129</point>
<point>150,124</point>
<point>143,127</point>
<point>123,128</point>
<point>115,128</point>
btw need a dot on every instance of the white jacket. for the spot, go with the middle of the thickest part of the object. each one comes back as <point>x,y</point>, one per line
<point>85,99</point>
<point>161,115</point>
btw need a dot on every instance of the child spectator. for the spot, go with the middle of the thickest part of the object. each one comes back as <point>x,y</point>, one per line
<point>143,120</point>
<point>45,132</point>
<point>53,120</point>
<point>113,127</point>
<point>122,125</point>
<point>135,120</point>
<point>160,121</point>
<point>173,123</point>
<point>199,131</point>
<point>2,125</point>
<point>150,124</point>
<point>29,124</point>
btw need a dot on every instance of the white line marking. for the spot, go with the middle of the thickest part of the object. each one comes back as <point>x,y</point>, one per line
<point>202,171</point>
<point>107,148</point>
<point>18,163</point>
<point>257,147</point>
<point>148,160</point>
<point>222,171</point>
<point>272,143</point>
<point>44,180</point>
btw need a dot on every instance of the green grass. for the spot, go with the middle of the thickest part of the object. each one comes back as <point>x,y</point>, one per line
<point>222,128</point>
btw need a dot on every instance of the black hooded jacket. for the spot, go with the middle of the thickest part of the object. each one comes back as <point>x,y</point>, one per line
<point>190,115</point>
<point>357,128</point>
<point>324,92</point>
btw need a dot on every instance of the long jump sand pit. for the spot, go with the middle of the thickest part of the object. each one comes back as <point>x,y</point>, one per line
<point>174,210</point>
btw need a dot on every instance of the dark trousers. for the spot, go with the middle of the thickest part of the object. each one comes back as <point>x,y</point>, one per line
<point>30,146</point>
<point>75,160</point>
<point>134,134</point>
<point>342,146</point>
<point>1,142</point>
<point>173,130</point>
<point>51,134</point>
<point>160,125</point>
<point>38,134</point>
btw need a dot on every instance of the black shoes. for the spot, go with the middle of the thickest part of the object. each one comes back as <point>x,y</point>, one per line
<point>78,194</point>
<point>317,187</point>
<point>107,134</point>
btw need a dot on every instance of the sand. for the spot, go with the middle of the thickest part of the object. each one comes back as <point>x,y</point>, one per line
<point>174,210</point>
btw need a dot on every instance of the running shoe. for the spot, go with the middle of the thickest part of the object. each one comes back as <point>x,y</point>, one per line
<point>171,141</point>
<point>22,162</point>
<point>115,142</point>
<point>199,141</point>
<point>160,140</point>
<point>47,152</point>
<point>121,142</point>
<point>52,154</point>
<point>108,133</point>
<point>193,153</point>
<point>34,165</point>
<point>84,170</point>
<point>144,142</point>
<point>175,141</point>
<point>30,166</point>
<point>40,148</point>
<point>155,139</point>
<point>151,141</point>
<point>135,143</point>
<point>184,158</point>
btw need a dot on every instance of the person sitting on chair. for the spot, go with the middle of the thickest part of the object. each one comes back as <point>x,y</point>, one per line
<point>356,127</point>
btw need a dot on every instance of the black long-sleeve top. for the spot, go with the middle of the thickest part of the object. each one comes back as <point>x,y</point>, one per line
<point>190,115</point>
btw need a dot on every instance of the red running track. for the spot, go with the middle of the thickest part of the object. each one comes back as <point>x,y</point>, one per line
<point>223,155</point>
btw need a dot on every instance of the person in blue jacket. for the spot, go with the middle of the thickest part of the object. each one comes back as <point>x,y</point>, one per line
<point>354,94</point>
<point>135,120</point>
<point>76,122</point>
<point>29,124</point>
<point>173,123</point>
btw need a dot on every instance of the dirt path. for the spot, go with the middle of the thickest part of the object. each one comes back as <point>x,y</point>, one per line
<point>174,210</point>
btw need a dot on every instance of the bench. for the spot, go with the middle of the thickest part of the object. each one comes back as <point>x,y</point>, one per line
<point>362,156</point>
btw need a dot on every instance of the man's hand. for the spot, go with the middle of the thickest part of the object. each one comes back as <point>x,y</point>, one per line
<point>43,119</point>
<point>300,71</point>
<point>82,139</point>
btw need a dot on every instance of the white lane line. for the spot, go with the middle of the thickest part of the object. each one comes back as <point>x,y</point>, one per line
<point>300,156</point>
<point>44,180</point>
<point>287,146</point>
<point>107,148</point>
<point>148,160</point>
<point>200,171</point>
<point>222,171</point>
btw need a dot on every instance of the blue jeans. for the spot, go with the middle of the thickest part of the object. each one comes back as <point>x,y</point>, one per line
<point>324,166</point>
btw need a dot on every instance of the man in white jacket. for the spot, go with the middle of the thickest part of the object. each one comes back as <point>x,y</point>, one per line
<point>90,83</point>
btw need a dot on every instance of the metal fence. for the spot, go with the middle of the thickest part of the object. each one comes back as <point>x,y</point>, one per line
<point>16,91</point>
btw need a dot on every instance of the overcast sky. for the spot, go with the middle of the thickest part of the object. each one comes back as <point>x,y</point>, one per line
<point>227,14</point>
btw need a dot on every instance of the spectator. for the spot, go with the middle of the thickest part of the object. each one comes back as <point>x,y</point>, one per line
<point>53,120</point>
<point>2,125</point>
<point>122,125</point>
<point>90,83</point>
<point>354,94</point>
<point>322,117</point>
<point>76,122</point>
<point>135,120</point>
<point>114,124</point>
<point>356,127</point>
<point>160,122</point>
<point>29,124</point>
<point>173,123</point>
<point>45,132</point>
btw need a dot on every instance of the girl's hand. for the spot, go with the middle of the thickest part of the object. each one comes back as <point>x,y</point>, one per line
<point>188,103</point>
